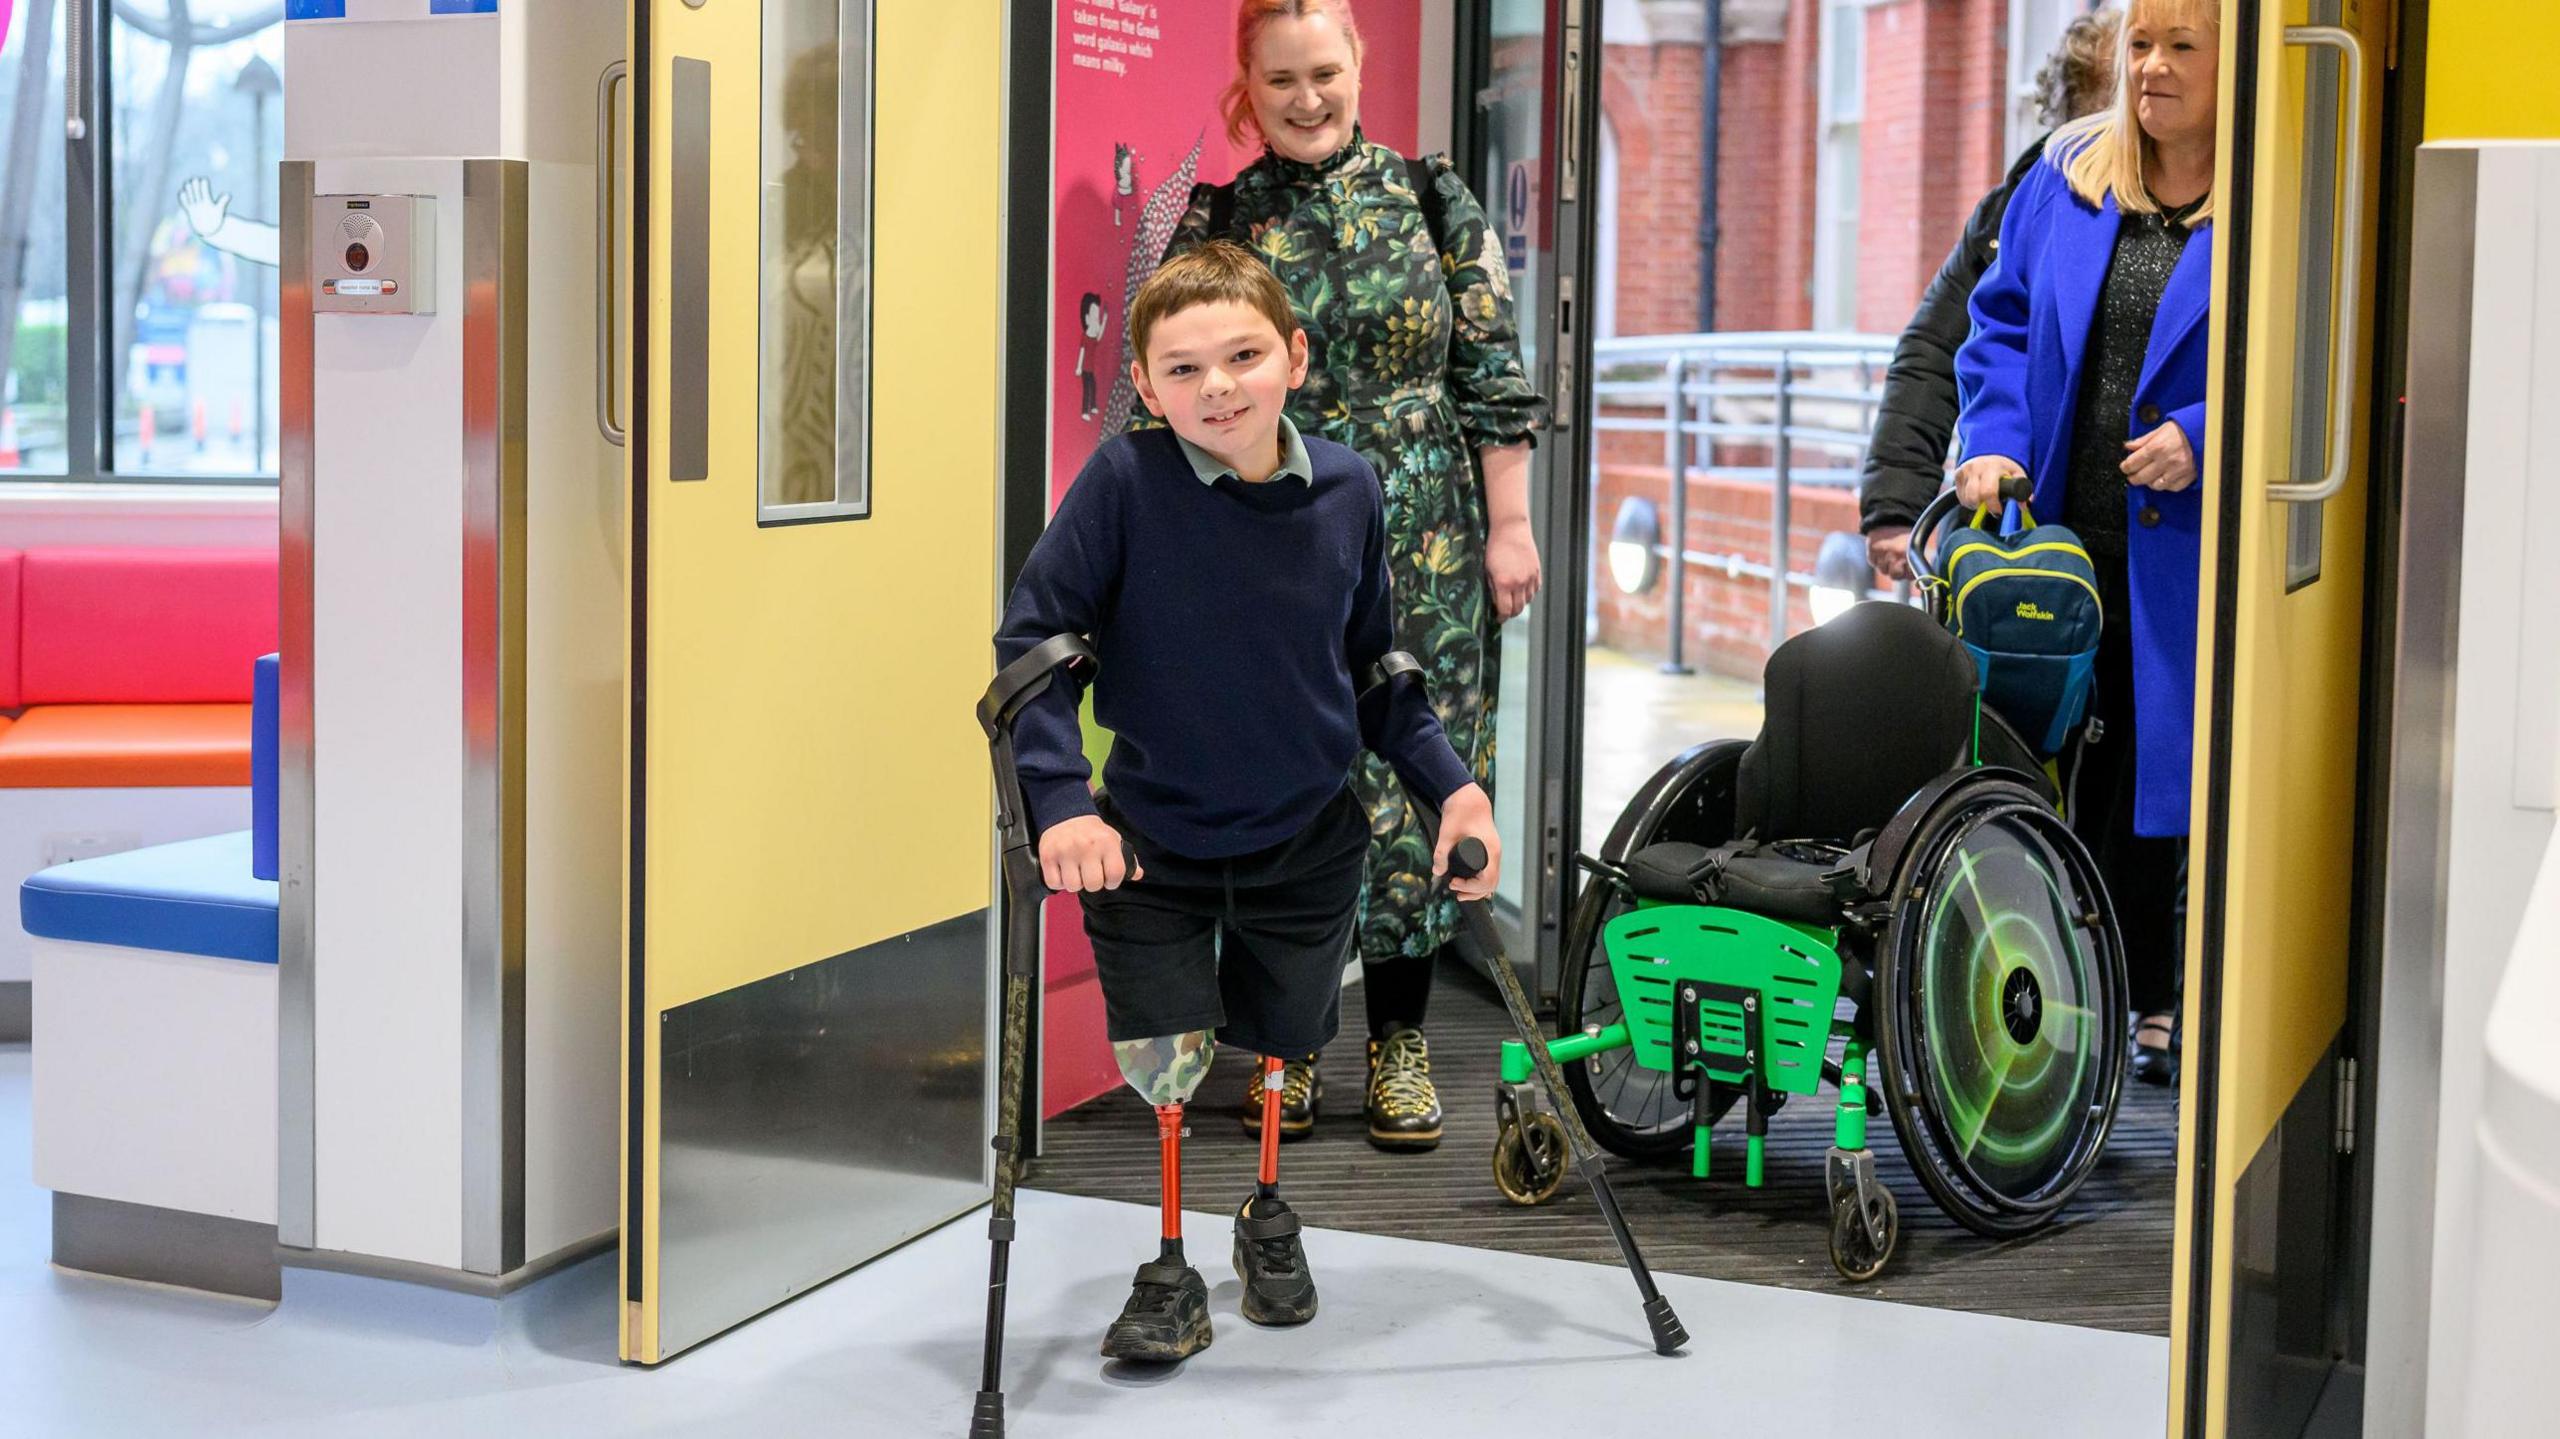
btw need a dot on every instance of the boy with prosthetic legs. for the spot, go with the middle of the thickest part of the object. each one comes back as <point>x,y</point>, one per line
<point>1232,576</point>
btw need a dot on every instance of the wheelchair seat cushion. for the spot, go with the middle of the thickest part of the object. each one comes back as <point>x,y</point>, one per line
<point>1775,881</point>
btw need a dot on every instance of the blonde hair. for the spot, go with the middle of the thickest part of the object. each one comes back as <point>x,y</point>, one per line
<point>2101,153</point>
<point>1252,18</point>
<point>1215,273</point>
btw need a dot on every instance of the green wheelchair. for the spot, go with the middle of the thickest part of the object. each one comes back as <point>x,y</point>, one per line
<point>1885,870</point>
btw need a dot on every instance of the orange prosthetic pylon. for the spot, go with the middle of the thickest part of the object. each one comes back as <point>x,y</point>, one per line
<point>1271,1067</point>
<point>1169,1146</point>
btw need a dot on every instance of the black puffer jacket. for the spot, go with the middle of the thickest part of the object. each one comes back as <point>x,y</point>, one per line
<point>1916,420</point>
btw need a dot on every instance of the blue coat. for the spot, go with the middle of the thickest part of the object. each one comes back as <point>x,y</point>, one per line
<point>2018,379</point>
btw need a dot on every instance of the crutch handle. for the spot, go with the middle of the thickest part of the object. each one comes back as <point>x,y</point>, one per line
<point>1467,858</point>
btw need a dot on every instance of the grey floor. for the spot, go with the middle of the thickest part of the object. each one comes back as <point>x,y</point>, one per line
<point>1415,1339</point>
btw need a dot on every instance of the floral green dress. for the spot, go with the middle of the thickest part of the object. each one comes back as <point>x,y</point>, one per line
<point>1414,361</point>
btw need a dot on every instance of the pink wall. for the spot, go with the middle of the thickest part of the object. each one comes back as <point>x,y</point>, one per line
<point>1145,74</point>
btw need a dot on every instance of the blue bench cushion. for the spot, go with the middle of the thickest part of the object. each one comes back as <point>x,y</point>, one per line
<point>262,768</point>
<point>193,897</point>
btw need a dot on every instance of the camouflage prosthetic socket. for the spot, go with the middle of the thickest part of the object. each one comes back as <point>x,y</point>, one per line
<point>1167,1070</point>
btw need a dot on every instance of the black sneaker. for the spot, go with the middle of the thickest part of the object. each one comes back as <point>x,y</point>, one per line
<point>1278,1288</point>
<point>1404,1108</point>
<point>1166,1319</point>
<point>1301,1089</point>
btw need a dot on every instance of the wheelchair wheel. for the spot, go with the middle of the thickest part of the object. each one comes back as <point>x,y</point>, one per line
<point>1998,1008</point>
<point>1854,1251</point>
<point>1529,1160</point>
<point>1630,1110</point>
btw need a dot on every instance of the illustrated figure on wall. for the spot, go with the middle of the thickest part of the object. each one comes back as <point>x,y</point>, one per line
<point>1090,315</point>
<point>1124,178</point>
<point>1156,219</point>
<point>209,215</point>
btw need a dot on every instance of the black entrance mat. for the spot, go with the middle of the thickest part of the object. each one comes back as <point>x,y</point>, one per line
<point>2105,1265</point>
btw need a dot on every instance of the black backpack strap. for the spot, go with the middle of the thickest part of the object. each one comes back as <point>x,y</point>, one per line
<point>1426,192</point>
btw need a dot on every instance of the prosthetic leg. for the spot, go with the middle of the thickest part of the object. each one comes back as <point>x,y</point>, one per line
<point>1270,1260</point>
<point>1167,1316</point>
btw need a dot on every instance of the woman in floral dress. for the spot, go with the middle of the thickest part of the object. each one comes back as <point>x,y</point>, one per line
<point>1414,361</point>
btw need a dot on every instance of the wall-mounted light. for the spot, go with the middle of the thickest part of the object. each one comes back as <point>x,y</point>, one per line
<point>1635,544</point>
<point>1840,575</point>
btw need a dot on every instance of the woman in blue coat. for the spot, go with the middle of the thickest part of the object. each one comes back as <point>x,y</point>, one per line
<point>2086,371</point>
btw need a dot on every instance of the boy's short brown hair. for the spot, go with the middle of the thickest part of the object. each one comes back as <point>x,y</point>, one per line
<point>1215,273</point>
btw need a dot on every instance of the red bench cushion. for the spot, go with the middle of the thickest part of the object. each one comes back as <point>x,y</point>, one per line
<point>11,564</point>
<point>143,626</point>
<point>118,746</point>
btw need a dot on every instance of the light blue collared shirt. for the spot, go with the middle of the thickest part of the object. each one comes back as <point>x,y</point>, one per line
<point>1293,459</point>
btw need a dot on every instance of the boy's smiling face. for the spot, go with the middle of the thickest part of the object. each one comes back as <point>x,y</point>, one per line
<point>1219,374</point>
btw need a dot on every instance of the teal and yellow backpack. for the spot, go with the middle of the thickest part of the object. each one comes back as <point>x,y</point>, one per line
<point>2024,600</point>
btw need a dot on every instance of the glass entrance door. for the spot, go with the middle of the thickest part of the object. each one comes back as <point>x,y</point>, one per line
<point>1523,141</point>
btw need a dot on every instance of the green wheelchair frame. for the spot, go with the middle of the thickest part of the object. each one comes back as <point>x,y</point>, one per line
<point>1720,995</point>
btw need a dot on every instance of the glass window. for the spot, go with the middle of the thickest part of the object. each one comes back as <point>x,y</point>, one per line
<point>34,309</point>
<point>1848,34</point>
<point>198,126</point>
<point>1844,106</point>
<point>2037,27</point>
<point>814,340</point>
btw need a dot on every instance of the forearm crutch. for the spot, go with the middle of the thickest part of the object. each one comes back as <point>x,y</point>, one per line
<point>1015,687</point>
<point>1466,859</point>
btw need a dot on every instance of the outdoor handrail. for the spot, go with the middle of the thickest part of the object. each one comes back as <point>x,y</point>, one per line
<point>1757,379</point>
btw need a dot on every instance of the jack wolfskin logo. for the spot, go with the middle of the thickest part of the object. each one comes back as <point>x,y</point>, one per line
<point>2028,610</point>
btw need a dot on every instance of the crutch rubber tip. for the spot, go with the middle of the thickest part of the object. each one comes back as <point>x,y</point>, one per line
<point>1668,1336</point>
<point>987,1421</point>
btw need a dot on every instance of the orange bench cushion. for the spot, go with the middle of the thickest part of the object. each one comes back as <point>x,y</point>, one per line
<point>122,746</point>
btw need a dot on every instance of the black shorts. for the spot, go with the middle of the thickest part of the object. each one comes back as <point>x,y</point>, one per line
<point>1252,947</point>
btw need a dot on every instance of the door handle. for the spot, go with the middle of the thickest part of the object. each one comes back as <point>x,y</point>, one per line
<point>2340,452</point>
<point>75,70</point>
<point>607,154</point>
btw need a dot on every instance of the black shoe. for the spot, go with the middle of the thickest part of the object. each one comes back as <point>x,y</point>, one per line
<point>1278,1288</point>
<point>1301,1089</point>
<point>1166,1319</point>
<point>2156,1064</point>
<point>1404,1108</point>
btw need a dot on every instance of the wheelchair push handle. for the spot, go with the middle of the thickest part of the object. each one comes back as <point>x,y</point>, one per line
<point>2015,491</point>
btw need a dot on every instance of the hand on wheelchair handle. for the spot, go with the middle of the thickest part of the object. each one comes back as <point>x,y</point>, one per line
<point>1986,479</point>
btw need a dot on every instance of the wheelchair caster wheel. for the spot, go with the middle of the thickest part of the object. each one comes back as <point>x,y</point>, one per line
<point>1529,1160</point>
<point>1854,1250</point>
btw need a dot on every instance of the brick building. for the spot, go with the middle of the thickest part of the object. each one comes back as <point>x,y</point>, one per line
<point>1853,138</point>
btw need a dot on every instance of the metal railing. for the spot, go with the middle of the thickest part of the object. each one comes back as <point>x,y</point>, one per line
<point>1781,392</point>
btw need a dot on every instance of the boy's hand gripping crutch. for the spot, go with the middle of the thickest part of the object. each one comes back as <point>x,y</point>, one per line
<point>1015,687</point>
<point>1476,932</point>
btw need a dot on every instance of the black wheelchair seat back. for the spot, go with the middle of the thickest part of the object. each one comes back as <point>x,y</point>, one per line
<point>1860,713</point>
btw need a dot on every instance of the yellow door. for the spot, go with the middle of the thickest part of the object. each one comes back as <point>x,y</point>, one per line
<point>816,251</point>
<point>2284,606</point>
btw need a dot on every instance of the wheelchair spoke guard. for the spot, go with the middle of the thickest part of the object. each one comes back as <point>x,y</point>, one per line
<point>2002,988</point>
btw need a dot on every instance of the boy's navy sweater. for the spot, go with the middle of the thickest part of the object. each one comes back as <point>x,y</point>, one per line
<point>1230,620</point>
